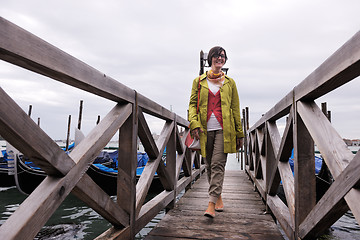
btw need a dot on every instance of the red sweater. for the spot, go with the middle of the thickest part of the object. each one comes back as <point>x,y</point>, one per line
<point>214,106</point>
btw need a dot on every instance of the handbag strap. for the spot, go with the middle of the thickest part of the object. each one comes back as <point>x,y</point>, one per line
<point>198,99</point>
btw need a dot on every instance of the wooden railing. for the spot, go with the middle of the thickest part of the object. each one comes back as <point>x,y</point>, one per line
<point>67,173</point>
<point>267,159</point>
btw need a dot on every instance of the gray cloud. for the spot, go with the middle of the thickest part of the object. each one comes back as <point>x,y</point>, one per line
<point>153,47</point>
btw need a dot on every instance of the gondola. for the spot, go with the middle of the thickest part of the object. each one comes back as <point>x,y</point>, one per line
<point>323,178</point>
<point>6,175</point>
<point>28,176</point>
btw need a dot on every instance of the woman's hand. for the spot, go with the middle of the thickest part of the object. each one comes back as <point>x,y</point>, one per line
<point>195,132</point>
<point>239,143</point>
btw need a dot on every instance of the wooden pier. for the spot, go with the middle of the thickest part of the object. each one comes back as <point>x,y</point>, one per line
<point>244,215</point>
<point>267,153</point>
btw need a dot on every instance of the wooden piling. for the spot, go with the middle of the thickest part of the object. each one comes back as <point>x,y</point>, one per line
<point>68,134</point>
<point>80,114</point>
<point>30,109</point>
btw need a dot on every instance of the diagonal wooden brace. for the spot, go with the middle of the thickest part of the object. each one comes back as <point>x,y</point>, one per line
<point>336,155</point>
<point>143,185</point>
<point>25,135</point>
<point>332,203</point>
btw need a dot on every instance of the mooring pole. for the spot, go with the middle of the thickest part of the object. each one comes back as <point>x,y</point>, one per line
<point>80,114</point>
<point>68,134</point>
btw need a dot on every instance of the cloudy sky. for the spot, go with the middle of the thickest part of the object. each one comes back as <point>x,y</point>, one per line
<point>153,47</point>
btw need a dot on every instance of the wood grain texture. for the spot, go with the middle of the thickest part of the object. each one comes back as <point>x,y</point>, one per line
<point>332,205</point>
<point>143,185</point>
<point>304,171</point>
<point>333,149</point>
<point>45,199</point>
<point>242,218</point>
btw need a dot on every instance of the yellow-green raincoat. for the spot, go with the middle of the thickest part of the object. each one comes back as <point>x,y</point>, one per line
<point>230,108</point>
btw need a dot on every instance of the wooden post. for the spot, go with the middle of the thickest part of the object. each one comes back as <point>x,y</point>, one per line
<point>201,62</point>
<point>30,109</point>
<point>38,122</point>
<point>324,108</point>
<point>304,171</point>
<point>325,111</point>
<point>68,134</point>
<point>127,163</point>
<point>171,163</point>
<point>245,117</point>
<point>80,114</point>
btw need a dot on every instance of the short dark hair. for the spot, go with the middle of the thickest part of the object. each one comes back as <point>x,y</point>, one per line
<point>215,51</point>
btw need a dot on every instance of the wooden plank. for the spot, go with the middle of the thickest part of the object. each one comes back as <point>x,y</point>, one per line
<point>92,195</point>
<point>331,145</point>
<point>39,206</point>
<point>272,148</point>
<point>282,152</point>
<point>115,233</point>
<point>153,207</point>
<point>185,234</point>
<point>288,186</point>
<point>179,163</point>
<point>35,143</point>
<point>340,68</point>
<point>180,141</point>
<point>181,152</point>
<point>284,169</point>
<point>186,162</point>
<point>143,185</point>
<point>197,222</point>
<point>26,136</point>
<point>146,137</point>
<point>171,160</point>
<point>251,150</point>
<point>196,159</point>
<point>241,219</point>
<point>148,211</point>
<point>287,143</point>
<point>26,50</point>
<point>283,216</point>
<point>332,205</point>
<point>304,171</point>
<point>257,156</point>
<point>165,173</point>
<point>127,163</point>
<point>261,140</point>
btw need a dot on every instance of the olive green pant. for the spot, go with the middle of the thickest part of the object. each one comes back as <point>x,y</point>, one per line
<point>215,163</point>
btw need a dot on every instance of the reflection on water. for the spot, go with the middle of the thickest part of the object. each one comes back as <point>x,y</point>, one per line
<point>74,220</point>
<point>345,228</point>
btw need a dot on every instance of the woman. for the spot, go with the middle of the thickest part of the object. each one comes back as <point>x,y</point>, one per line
<point>216,122</point>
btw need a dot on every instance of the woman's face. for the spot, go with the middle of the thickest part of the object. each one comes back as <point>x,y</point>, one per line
<point>218,60</point>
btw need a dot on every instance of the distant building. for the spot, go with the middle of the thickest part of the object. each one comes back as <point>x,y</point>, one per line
<point>352,142</point>
<point>355,142</point>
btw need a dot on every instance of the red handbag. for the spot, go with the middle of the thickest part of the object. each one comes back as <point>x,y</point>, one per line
<point>190,142</point>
